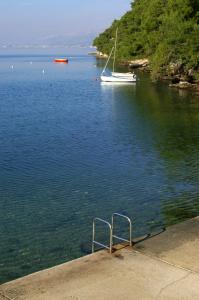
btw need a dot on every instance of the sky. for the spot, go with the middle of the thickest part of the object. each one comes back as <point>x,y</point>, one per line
<point>40,21</point>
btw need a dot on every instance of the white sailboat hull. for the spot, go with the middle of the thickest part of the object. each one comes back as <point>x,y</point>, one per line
<point>126,75</point>
<point>117,79</point>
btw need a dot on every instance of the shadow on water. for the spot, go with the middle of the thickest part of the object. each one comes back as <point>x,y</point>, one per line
<point>174,119</point>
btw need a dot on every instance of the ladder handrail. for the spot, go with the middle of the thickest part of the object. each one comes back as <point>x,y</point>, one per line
<point>130,228</point>
<point>98,243</point>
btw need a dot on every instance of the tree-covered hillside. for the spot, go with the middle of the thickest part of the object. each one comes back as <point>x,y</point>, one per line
<point>165,31</point>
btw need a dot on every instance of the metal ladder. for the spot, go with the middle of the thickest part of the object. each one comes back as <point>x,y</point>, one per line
<point>111,232</point>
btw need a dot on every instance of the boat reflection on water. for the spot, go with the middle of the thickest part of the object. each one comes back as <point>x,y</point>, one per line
<point>117,89</point>
<point>118,83</point>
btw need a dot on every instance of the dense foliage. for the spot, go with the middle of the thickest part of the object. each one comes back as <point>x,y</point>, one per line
<point>165,31</point>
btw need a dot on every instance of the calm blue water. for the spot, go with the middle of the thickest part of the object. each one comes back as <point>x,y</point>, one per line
<point>72,149</point>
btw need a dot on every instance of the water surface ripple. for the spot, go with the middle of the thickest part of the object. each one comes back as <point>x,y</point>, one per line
<point>72,149</point>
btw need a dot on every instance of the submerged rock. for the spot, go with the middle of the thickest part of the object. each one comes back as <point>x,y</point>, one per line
<point>184,85</point>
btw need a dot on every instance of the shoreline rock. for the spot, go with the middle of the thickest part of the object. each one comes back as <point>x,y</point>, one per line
<point>99,54</point>
<point>139,63</point>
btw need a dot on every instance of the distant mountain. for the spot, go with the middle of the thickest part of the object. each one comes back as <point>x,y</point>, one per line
<point>55,41</point>
<point>82,40</point>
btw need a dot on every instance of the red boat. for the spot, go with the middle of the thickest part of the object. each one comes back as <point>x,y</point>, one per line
<point>61,60</point>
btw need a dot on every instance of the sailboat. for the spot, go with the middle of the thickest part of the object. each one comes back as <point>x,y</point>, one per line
<point>116,76</point>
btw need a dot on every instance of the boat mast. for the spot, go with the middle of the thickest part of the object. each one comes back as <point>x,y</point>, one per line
<point>107,61</point>
<point>115,49</point>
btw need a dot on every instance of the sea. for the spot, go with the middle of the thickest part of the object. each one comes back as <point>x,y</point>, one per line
<point>72,148</point>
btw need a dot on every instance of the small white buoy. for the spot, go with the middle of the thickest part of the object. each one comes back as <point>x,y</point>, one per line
<point>12,67</point>
<point>43,71</point>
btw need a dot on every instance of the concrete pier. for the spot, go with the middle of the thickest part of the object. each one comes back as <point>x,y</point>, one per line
<point>165,266</point>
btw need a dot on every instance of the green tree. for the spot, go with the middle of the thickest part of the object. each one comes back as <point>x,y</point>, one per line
<point>165,31</point>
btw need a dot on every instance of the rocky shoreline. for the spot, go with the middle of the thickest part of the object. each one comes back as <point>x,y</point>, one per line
<point>176,75</point>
